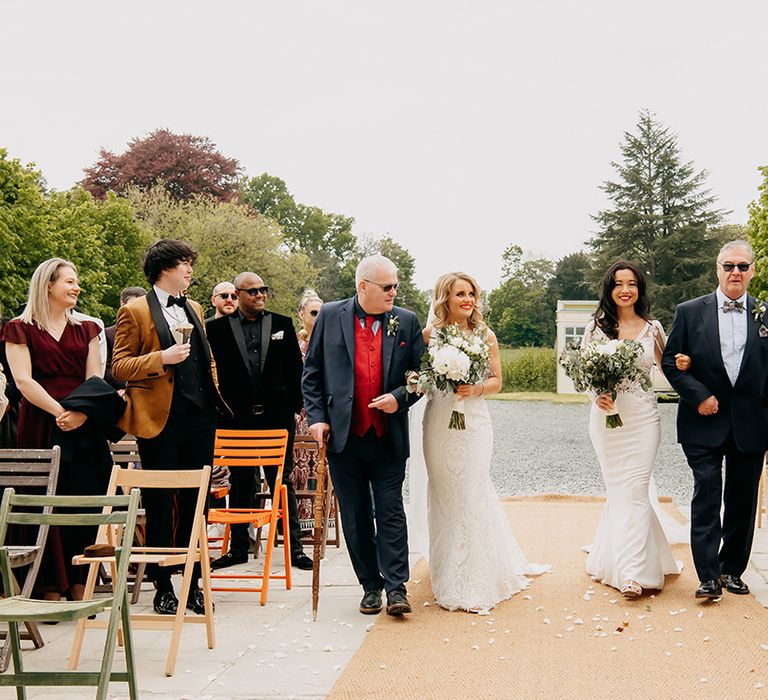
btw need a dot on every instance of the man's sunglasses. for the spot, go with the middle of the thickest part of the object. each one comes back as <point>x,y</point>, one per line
<point>227,295</point>
<point>728,267</point>
<point>384,287</point>
<point>253,291</point>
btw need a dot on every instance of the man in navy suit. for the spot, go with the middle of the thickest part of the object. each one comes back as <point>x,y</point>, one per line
<point>356,402</point>
<point>722,415</point>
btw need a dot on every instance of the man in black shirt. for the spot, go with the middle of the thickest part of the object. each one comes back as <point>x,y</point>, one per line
<point>259,370</point>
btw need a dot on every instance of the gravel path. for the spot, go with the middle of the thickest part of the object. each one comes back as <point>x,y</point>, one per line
<point>542,447</point>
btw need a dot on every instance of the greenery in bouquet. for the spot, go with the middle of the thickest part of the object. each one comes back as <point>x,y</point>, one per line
<point>453,357</point>
<point>603,367</point>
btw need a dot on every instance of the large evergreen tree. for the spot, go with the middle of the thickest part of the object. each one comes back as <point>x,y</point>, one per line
<point>661,217</point>
<point>757,232</point>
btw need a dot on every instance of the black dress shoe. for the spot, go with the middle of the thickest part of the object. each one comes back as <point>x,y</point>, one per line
<point>371,603</point>
<point>734,584</point>
<point>709,589</point>
<point>229,559</point>
<point>397,603</point>
<point>166,603</point>
<point>301,561</point>
<point>196,602</point>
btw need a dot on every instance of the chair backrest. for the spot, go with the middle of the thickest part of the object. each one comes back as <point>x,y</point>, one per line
<point>251,448</point>
<point>33,472</point>
<point>126,452</point>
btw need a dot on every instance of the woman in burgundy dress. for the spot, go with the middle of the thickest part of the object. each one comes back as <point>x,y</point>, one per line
<point>304,461</point>
<point>50,354</point>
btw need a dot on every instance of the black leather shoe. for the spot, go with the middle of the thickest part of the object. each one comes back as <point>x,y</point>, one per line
<point>397,603</point>
<point>166,603</point>
<point>709,589</point>
<point>229,559</point>
<point>734,584</point>
<point>371,603</point>
<point>196,602</point>
<point>301,561</point>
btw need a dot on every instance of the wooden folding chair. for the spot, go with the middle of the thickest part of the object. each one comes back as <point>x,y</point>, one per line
<point>306,442</point>
<point>18,609</point>
<point>195,551</point>
<point>254,448</point>
<point>30,471</point>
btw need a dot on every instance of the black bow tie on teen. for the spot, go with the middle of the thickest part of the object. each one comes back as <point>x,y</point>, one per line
<point>176,301</point>
<point>733,306</point>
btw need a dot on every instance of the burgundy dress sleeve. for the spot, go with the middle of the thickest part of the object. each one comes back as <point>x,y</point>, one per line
<point>15,331</point>
<point>92,329</point>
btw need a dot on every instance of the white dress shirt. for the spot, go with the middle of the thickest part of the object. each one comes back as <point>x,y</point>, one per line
<point>174,315</point>
<point>732,327</point>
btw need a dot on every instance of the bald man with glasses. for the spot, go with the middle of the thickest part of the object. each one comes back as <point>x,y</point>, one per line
<point>259,369</point>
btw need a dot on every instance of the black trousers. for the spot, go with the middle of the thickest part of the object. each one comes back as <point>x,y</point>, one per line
<point>368,480</point>
<point>242,489</point>
<point>186,442</point>
<point>722,547</point>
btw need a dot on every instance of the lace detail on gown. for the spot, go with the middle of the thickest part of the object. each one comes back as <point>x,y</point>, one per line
<point>475,561</point>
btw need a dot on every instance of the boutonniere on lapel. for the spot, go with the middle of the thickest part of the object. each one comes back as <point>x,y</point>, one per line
<point>758,313</point>
<point>393,325</point>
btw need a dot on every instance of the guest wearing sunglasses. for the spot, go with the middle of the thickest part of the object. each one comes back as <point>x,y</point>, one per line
<point>722,416</point>
<point>259,369</point>
<point>305,461</point>
<point>224,300</point>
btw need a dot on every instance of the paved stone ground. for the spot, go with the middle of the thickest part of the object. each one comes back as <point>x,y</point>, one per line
<point>542,447</point>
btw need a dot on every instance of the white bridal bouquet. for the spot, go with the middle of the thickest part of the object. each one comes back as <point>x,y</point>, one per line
<point>602,367</point>
<point>453,357</point>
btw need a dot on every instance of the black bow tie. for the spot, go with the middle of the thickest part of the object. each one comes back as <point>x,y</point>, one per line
<point>176,301</point>
<point>733,306</point>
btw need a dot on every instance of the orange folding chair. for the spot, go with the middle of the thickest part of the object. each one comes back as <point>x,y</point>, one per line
<point>254,448</point>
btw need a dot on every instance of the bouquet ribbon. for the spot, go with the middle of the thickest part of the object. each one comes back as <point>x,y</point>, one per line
<point>457,422</point>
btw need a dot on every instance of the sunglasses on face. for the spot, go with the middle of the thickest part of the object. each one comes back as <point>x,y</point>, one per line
<point>728,267</point>
<point>253,291</point>
<point>314,312</point>
<point>227,295</point>
<point>384,287</point>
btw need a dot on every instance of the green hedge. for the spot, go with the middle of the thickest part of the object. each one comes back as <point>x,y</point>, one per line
<point>528,369</point>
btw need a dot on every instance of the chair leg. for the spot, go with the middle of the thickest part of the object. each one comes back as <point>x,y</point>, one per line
<point>205,575</point>
<point>18,667</point>
<point>77,642</point>
<point>136,591</point>
<point>130,661</point>
<point>286,535</point>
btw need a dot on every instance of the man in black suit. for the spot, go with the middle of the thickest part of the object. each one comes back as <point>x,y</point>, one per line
<point>259,369</point>
<point>722,414</point>
<point>109,333</point>
<point>354,393</point>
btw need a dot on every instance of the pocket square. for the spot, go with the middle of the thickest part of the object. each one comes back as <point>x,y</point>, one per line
<point>277,336</point>
<point>762,331</point>
<point>402,344</point>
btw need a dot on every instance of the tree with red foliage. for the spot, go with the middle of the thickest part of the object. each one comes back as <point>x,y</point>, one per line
<point>185,165</point>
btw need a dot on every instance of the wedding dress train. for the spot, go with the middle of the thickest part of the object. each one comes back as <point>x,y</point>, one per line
<point>475,561</point>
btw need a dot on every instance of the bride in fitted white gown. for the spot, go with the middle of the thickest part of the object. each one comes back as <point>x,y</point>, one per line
<point>630,550</point>
<point>474,559</point>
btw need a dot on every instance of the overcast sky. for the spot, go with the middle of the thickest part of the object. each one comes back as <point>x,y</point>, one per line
<point>455,127</point>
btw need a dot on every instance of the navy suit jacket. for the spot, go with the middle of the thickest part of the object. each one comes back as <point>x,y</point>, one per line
<point>328,382</point>
<point>741,407</point>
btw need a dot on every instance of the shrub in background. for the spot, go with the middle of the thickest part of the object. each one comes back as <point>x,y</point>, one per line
<point>529,369</point>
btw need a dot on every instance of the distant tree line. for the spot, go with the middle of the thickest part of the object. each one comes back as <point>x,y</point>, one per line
<point>660,215</point>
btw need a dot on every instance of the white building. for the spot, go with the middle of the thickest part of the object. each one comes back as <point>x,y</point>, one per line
<point>572,318</point>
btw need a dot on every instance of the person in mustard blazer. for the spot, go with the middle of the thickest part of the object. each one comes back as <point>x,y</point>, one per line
<point>162,354</point>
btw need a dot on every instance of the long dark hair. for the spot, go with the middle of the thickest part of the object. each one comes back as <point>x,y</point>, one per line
<point>605,315</point>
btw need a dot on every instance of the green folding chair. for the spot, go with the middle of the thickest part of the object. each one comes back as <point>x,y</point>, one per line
<point>71,510</point>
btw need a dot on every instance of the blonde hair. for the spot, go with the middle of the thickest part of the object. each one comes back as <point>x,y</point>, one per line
<point>38,310</point>
<point>442,293</point>
<point>309,295</point>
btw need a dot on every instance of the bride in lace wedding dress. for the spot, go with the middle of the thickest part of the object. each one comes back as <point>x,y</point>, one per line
<point>630,550</point>
<point>474,559</point>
